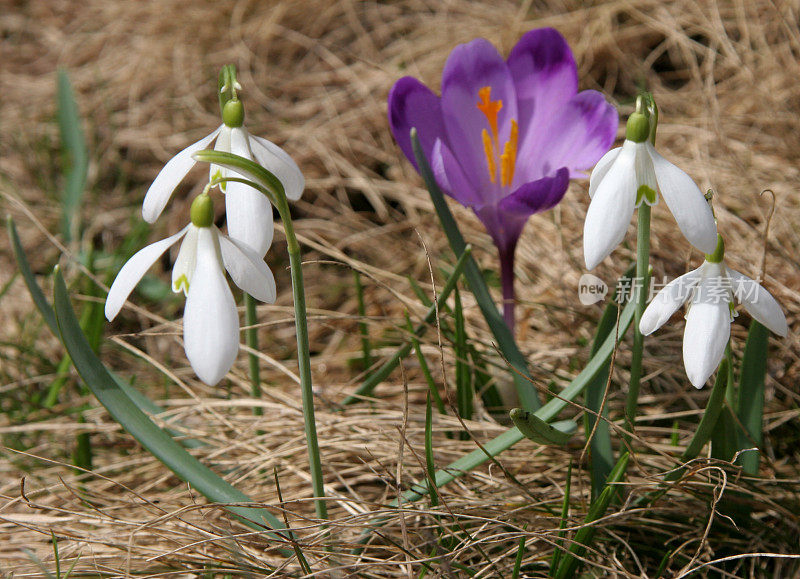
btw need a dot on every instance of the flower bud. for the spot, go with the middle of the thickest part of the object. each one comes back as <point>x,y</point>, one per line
<point>638,128</point>
<point>202,211</point>
<point>233,113</point>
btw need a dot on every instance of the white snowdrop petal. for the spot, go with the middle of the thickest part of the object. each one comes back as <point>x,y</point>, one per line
<point>708,328</point>
<point>248,211</point>
<point>645,172</point>
<point>223,145</point>
<point>600,170</point>
<point>758,302</point>
<point>278,162</point>
<point>210,320</point>
<point>133,271</point>
<point>248,270</point>
<point>610,210</point>
<point>186,261</point>
<point>686,202</point>
<point>170,176</point>
<point>667,301</point>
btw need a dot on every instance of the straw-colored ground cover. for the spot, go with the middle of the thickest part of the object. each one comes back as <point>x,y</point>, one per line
<point>315,76</point>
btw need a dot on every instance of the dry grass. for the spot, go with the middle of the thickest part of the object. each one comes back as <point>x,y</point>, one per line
<point>316,75</point>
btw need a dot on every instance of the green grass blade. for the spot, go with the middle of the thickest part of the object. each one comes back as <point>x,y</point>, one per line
<point>528,397</point>
<point>520,556</point>
<point>74,146</point>
<point>750,405</point>
<point>558,551</point>
<point>132,419</point>
<point>363,329</point>
<point>464,393</point>
<point>426,371</point>
<point>388,367</point>
<point>429,464</point>
<point>536,429</point>
<point>584,535</point>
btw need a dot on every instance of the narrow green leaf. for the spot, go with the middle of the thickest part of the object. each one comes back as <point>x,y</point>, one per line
<point>520,556</point>
<point>724,436</point>
<point>388,367</point>
<point>539,431</point>
<point>251,338</point>
<point>25,268</point>
<point>49,316</point>
<point>559,548</point>
<point>750,405</point>
<point>505,340</point>
<point>132,419</point>
<point>74,146</point>
<point>601,453</point>
<point>584,535</point>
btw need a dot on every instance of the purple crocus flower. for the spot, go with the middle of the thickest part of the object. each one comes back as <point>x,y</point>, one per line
<point>506,136</point>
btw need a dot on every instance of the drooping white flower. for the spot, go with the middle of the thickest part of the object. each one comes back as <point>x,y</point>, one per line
<point>210,319</point>
<point>710,290</point>
<point>632,174</point>
<point>248,212</point>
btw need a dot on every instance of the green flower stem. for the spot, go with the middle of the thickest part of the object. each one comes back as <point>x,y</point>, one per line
<point>268,184</point>
<point>641,283</point>
<point>251,338</point>
<point>303,357</point>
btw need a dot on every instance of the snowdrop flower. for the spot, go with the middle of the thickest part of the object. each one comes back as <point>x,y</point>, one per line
<point>627,176</point>
<point>248,212</point>
<point>710,290</point>
<point>210,319</point>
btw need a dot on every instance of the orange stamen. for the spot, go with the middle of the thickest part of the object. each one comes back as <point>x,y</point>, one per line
<point>509,157</point>
<point>489,151</point>
<point>490,109</point>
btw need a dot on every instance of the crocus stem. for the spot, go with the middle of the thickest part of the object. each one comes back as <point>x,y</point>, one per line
<point>507,282</point>
<point>251,337</point>
<point>303,357</point>
<point>641,283</point>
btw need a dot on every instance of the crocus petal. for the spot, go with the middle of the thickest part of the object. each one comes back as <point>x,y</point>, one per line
<point>506,220</point>
<point>537,196</point>
<point>170,176</point>
<point>600,170</point>
<point>248,270</point>
<point>610,210</point>
<point>413,105</point>
<point>450,176</point>
<point>279,163</point>
<point>758,302</point>
<point>468,69</point>
<point>686,202</point>
<point>545,77</point>
<point>667,301</point>
<point>248,211</point>
<point>186,262</point>
<point>708,327</point>
<point>579,133</point>
<point>210,321</point>
<point>133,270</point>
